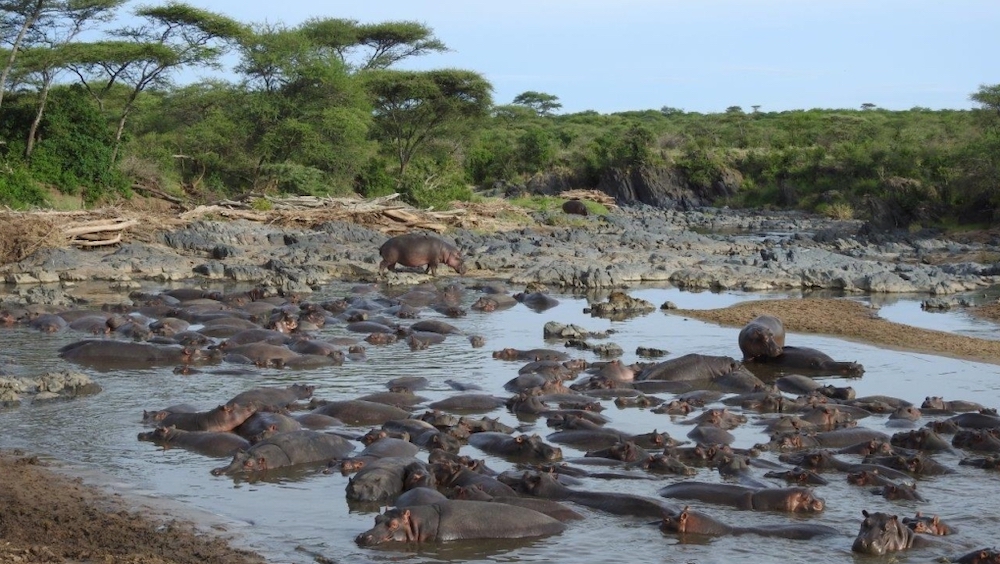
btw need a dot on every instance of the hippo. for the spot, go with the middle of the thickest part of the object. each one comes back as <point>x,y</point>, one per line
<point>689,367</point>
<point>223,418</point>
<point>287,449</point>
<point>811,360</point>
<point>549,507</point>
<point>360,412</point>
<point>575,207</point>
<point>263,424</point>
<point>792,500</point>
<point>689,522</point>
<point>110,354</point>
<point>458,520</point>
<point>419,249</point>
<point>980,556</point>
<point>536,301</point>
<point>531,355</point>
<point>453,474</point>
<point>933,525</point>
<point>522,447</point>
<point>419,495</point>
<point>209,443</point>
<point>881,533</point>
<point>272,398</point>
<point>494,302</point>
<point>937,404</point>
<point>384,478</point>
<point>762,337</point>
<point>546,486</point>
<point>798,475</point>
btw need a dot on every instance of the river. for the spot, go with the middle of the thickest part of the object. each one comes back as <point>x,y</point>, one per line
<point>293,518</point>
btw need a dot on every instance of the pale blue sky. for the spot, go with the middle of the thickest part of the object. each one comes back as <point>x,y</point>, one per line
<point>696,55</point>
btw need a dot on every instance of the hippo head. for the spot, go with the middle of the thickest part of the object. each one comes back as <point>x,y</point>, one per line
<point>533,447</point>
<point>393,525</point>
<point>802,500</point>
<point>881,533</point>
<point>243,461</point>
<point>927,525</point>
<point>933,402</point>
<point>676,523</point>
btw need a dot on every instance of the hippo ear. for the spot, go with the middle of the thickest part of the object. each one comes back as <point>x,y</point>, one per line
<point>865,513</point>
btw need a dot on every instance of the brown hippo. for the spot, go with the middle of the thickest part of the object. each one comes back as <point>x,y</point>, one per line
<point>980,556</point>
<point>521,447</point>
<point>107,354</point>
<point>419,249</point>
<point>921,523</point>
<point>762,337</point>
<point>209,443</point>
<point>689,522</point>
<point>546,486</point>
<point>575,207</point>
<point>881,533</point>
<point>223,418</point>
<point>458,520</point>
<point>287,449</point>
<point>792,500</point>
<point>812,360</point>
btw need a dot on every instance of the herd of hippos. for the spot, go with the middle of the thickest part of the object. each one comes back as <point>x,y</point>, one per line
<point>414,462</point>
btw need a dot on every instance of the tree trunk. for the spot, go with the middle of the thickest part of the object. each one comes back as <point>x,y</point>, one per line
<point>29,20</point>
<point>43,96</point>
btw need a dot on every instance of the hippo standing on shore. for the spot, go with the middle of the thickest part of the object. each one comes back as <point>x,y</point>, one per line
<point>576,207</point>
<point>419,249</point>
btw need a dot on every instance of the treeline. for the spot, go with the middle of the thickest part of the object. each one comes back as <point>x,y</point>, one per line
<point>322,108</point>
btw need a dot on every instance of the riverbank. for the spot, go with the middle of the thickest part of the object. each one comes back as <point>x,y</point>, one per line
<point>48,516</point>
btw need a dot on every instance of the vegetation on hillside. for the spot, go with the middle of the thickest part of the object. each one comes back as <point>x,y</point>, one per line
<point>323,108</point>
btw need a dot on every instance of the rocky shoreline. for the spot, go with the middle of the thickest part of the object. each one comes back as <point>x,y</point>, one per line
<point>717,249</point>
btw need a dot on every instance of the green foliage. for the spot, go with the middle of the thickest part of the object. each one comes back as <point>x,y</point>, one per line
<point>540,103</point>
<point>430,184</point>
<point>76,149</point>
<point>261,204</point>
<point>375,179</point>
<point>18,189</point>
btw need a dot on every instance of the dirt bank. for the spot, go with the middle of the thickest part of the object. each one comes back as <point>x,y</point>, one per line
<point>46,516</point>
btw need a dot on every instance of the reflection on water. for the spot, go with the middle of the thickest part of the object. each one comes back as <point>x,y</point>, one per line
<point>305,513</point>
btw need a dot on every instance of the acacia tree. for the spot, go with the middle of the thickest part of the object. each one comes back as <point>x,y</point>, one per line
<point>174,36</point>
<point>53,49</point>
<point>22,16</point>
<point>371,46</point>
<point>542,104</point>
<point>411,108</point>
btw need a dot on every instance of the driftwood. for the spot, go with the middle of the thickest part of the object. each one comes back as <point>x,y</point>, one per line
<point>98,233</point>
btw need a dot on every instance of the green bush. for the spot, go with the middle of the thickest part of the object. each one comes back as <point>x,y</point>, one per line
<point>18,189</point>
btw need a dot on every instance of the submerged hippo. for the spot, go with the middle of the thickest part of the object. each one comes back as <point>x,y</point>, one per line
<point>521,447</point>
<point>881,533</point>
<point>763,336</point>
<point>209,443</point>
<point>111,354</point>
<point>689,522</point>
<point>419,249</point>
<point>689,367</point>
<point>223,418</point>
<point>458,520</point>
<point>811,360</point>
<point>793,500</point>
<point>287,449</point>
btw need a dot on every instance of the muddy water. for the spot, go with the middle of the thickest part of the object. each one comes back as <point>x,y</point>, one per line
<point>291,518</point>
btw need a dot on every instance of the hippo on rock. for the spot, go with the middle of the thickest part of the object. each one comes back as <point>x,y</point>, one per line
<point>419,249</point>
<point>764,336</point>
<point>458,520</point>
